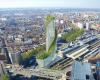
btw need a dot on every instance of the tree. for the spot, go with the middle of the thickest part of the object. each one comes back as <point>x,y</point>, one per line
<point>71,36</point>
<point>6,77</point>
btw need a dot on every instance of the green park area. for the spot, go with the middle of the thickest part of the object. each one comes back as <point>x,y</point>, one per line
<point>39,52</point>
<point>72,35</point>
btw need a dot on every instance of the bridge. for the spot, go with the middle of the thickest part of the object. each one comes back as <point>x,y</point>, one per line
<point>44,73</point>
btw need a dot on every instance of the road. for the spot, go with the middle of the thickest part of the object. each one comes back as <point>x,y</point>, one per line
<point>45,73</point>
<point>5,50</point>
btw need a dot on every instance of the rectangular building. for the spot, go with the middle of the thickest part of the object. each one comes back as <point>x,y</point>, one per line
<point>81,71</point>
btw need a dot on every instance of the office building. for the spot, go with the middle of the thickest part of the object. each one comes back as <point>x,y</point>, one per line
<point>51,36</point>
<point>15,57</point>
<point>81,71</point>
<point>2,70</point>
<point>98,69</point>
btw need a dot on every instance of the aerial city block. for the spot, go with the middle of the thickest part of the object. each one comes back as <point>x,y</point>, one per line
<point>49,43</point>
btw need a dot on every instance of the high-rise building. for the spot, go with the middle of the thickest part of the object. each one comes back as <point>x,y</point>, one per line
<point>81,71</point>
<point>5,51</point>
<point>51,36</point>
<point>2,70</point>
<point>14,57</point>
<point>98,69</point>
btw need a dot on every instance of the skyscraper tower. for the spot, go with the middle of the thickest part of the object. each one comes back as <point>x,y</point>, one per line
<point>2,70</point>
<point>5,51</point>
<point>51,34</point>
<point>51,37</point>
<point>98,69</point>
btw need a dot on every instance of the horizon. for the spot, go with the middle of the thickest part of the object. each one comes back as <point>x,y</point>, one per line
<point>50,4</point>
<point>46,8</point>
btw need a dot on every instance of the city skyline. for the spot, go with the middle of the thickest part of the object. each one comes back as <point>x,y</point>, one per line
<point>49,40</point>
<point>50,3</point>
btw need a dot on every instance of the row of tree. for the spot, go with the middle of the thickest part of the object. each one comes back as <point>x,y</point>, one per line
<point>71,36</point>
<point>39,52</point>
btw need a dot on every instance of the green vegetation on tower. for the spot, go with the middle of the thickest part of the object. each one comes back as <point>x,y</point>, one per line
<point>53,45</point>
<point>48,19</point>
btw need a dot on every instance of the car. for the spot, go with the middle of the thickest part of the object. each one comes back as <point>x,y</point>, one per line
<point>31,69</point>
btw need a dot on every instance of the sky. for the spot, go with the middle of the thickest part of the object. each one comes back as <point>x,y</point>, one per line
<point>50,3</point>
